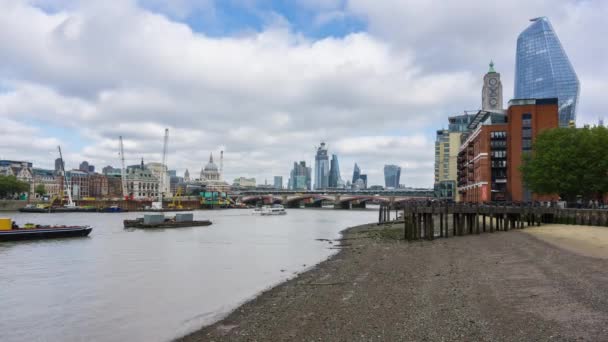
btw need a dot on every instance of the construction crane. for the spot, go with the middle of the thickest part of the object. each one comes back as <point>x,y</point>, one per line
<point>159,204</point>
<point>122,169</point>
<point>177,199</point>
<point>65,179</point>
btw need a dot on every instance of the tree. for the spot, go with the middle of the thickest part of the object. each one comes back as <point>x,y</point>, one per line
<point>569,162</point>
<point>40,190</point>
<point>10,185</point>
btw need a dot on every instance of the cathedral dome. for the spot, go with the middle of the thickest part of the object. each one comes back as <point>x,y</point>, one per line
<point>211,165</point>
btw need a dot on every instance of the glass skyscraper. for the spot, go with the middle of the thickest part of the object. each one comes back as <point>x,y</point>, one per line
<point>542,69</point>
<point>392,173</point>
<point>321,168</point>
<point>334,172</point>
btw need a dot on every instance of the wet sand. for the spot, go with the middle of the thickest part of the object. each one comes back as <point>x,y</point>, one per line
<point>504,286</point>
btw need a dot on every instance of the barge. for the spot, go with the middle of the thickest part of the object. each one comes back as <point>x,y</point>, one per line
<point>9,231</point>
<point>160,221</point>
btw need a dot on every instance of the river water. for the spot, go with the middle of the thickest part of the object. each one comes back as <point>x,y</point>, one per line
<point>144,285</point>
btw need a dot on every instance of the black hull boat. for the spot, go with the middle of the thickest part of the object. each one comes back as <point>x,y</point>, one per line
<point>139,223</point>
<point>44,232</point>
<point>33,210</point>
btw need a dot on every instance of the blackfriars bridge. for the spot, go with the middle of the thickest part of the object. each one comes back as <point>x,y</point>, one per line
<point>342,199</point>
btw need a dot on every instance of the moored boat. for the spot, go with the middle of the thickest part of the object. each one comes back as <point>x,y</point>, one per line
<point>34,208</point>
<point>113,209</point>
<point>9,231</point>
<point>160,221</point>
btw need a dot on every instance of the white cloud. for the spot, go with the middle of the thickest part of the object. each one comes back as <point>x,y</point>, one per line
<point>114,68</point>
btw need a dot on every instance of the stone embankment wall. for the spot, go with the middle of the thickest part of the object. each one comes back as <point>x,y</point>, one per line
<point>11,205</point>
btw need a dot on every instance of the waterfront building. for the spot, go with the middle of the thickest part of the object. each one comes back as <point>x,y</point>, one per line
<point>22,170</point>
<point>300,177</point>
<point>141,182</point>
<point>490,157</point>
<point>543,70</point>
<point>98,186</point>
<point>447,144</point>
<point>335,180</point>
<point>47,179</point>
<point>321,168</point>
<point>114,185</point>
<point>278,182</point>
<point>79,183</point>
<point>392,175</point>
<point>187,176</point>
<point>160,171</point>
<point>244,182</point>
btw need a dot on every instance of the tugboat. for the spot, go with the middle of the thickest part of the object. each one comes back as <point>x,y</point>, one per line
<point>160,221</point>
<point>10,231</point>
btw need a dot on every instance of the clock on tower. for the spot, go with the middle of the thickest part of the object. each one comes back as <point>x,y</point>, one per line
<point>491,94</point>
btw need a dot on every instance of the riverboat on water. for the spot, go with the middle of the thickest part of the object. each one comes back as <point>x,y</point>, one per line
<point>10,231</point>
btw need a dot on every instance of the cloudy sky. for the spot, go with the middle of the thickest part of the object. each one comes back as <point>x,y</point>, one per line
<point>267,80</point>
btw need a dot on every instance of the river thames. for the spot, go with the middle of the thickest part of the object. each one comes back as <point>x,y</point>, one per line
<point>154,285</point>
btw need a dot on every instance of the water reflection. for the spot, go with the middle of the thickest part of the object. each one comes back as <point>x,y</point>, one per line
<point>153,285</point>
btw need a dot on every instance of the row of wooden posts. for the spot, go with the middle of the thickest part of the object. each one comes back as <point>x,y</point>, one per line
<point>422,221</point>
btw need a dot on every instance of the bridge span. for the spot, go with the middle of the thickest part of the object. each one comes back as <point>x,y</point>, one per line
<point>339,199</point>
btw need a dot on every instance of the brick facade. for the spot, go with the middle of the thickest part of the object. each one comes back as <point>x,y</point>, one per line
<point>490,157</point>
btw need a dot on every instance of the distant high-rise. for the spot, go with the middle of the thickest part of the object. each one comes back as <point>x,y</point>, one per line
<point>299,177</point>
<point>356,173</point>
<point>278,182</point>
<point>59,165</point>
<point>543,70</point>
<point>392,174</point>
<point>321,167</point>
<point>334,172</point>
<point>84,166</point>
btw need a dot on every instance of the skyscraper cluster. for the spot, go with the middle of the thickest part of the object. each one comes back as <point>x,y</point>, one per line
<point>300,177</point>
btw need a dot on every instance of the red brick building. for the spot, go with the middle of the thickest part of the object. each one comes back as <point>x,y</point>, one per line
<point>491,153</point>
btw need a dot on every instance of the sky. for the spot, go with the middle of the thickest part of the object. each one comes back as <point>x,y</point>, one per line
<point>267,80</point>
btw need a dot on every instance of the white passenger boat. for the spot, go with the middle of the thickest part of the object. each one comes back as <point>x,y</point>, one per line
<point>276,209</point>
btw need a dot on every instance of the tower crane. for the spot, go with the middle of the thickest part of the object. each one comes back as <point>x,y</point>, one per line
<point>67,186</point>
<point>122,169</point>
<point>163,167</point>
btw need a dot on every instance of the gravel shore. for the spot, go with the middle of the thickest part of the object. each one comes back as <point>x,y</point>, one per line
<point>504,286</point>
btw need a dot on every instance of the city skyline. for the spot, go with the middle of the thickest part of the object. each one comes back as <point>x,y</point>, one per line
<point>373,92</point>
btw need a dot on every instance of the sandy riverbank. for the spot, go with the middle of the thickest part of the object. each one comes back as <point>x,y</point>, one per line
<point>584,240</point>
<point>505,286</point>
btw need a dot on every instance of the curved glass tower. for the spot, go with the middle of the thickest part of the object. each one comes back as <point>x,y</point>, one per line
<point>542,69</point>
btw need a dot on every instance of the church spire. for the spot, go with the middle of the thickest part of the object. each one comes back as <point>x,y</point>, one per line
<point>491,67</point>
<point>211,157</point>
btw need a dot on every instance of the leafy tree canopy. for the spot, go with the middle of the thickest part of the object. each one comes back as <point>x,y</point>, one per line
<point>10,185</point>
<point>569,162</point>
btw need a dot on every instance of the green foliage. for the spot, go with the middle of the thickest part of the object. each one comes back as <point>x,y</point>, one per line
<point>40,190</point>
<point>10,185</point>
<point>568,162</point>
